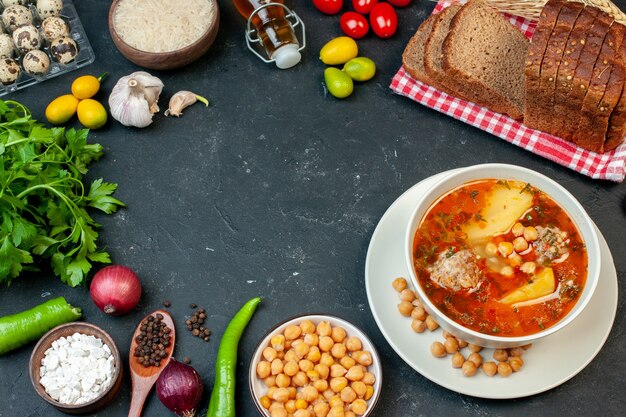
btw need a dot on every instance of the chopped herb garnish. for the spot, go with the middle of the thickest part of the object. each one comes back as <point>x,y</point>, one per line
<point>473,195</point>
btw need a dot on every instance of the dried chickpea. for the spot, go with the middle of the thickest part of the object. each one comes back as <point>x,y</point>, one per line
<point>418,326</point>
<point>515,259</point>
<point>326,343</point>
<point>507,271</point>
<point>517,229</point>
<point>474,348</point>
<point>469,368</point>
<point>338,350</point>
<point>369,378</point>
<point>290,406</point>
<point>476,358</point>
<point>457,360</point>
<point>307,327</point>
<point>337,370</point>
<point>270,391</point>
<point>505,248</point>
<point>348,395</point>
<point>311,339</point>
<point>358,407</point>
<point>491,249</point>
<point>309,394</point>
<point>263,369</point>
<point>292,392</point>
<point>288,344</point>
<point>520,244</point>
<point>462,343</point>
<point>281,395</point>
<point>302,413</point>
<point>347,362</point>
<point>327,359</point>
<point>277,366</point>
<point>339,383</point>
<point>359,387</point>
<point>314,354</point>
<point>528,346</point>
<point>438,350</point>
<point>322,370</point>
<point>501,355</point>
<point>328,394</point>
<point>431,323</point>
<point>363,357</point>
<point>451,345</point>
<point>300,379</point>
<point>336,411</point>
<point>278,343</point>
<point>504,369</point>
<point>335,401</point>
<point>353,344</point>
<point>278,412</point>
<point>291,368</point>
<point>276,405</point>
<point>446,334</point>
<point>399,284</point>
<point>516,351</point>
<point>313,375</point>
<point>290,355</point>
<point>530,233</point>
<point>292,332</point>
<point>417,303</point>
<point>355,373</point>
<point>321,409</point>
<point>301,349</point>
<point>265,402</point>
<point>320,385</point>
<point>305,365</point>
<point>338,334</point>
<point>283,381</point>
<point>369,392</point>
<point>516,363</point>
<point>405,308</point>
<point>490,368</point>
<point>269,353</point>
<point>528,267</point>
<point>349,414</point>
<point>324,328</point>
<point>407,295</point>
<point>270,381</point>
<point>418,313</point>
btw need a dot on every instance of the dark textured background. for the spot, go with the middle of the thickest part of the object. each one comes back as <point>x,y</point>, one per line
<point>275,190</point>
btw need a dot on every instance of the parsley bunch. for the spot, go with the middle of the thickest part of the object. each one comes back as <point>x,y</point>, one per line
<point>43,199</point>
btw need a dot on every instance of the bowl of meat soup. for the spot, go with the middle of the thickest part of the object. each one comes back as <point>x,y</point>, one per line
<point>501,255</point>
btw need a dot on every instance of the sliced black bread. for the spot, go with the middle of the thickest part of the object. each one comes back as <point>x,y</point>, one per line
<point>588,135</point>
<point>534,57</point>
<point>413,56</point>
<point>584,73</point>
<point>551,61</point>
<point>617,120</point>
<point>565,76</point>
<point>433,55</point>
<point>607,105</point>
<point>486,54</point>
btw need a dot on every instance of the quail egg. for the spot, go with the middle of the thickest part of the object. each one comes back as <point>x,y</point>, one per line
<point>64,49</point>
<point>27,38</point>
<point>54,27</point>
<point>46,8</point>
<point>36,62</point>
<point>7,3</point>
<point>16,15</point>
<point>7,47</point>
<point>9,71</point>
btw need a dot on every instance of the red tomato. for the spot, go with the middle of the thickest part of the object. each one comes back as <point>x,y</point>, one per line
<point>363,6</point>
<point>328,6</point>
<point>383,20</point>
<point>354,25</point>
<point>400,3</point>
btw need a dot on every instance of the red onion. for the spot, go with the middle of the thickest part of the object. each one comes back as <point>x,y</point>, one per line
<point>179,388</point>
<point>115,289</point>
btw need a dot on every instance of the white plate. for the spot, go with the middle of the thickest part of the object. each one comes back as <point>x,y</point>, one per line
<point>549,363</point>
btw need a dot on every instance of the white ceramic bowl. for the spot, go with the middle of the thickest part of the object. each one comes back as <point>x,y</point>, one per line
<point>545,184</point>
<point>258,387</point>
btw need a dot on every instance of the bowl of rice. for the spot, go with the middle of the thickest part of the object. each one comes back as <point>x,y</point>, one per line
<point>154,35</point>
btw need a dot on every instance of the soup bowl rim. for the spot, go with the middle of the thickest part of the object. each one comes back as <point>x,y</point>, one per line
<point>553,189</point>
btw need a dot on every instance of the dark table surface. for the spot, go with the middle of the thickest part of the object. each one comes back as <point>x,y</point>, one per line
<point>275,190</point>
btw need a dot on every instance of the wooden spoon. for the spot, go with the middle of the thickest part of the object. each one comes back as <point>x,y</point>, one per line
<point>143,378</point>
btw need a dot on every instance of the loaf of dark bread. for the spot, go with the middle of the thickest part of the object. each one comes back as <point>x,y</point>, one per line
<point>413,56</point>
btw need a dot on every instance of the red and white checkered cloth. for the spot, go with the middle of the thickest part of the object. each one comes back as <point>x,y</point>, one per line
<point>609,166</point>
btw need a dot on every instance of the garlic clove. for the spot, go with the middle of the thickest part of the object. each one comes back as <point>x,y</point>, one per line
<point>182,100</point>
<point>134,98</point>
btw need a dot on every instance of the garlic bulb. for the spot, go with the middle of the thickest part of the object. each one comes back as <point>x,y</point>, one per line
<point>134,99</point>
<point>181,100</point>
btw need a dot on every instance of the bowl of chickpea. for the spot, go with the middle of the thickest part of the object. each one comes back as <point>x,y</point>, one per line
<point>315,365</point>
<point>501,256</point>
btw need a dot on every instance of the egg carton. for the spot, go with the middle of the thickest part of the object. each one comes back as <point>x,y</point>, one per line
<point>84,57</point>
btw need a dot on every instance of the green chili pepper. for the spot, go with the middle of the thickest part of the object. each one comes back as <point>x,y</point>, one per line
<point>19,329</point>
<point>222,402</point>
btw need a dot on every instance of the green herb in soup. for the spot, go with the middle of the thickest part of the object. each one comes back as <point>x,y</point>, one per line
<point>500,257</point>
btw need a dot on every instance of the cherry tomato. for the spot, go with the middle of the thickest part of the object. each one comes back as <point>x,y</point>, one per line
<point>363,6</point>
<point>328,6</point>
<point>354,25</point>
<point>400,3</point>
<point>383,20</point>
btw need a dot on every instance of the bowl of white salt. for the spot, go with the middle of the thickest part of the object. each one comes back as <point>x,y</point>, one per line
<point>157,36</point>
<point>77,368</point>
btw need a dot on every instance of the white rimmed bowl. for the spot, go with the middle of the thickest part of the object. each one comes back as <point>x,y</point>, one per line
<point>506,172</point>
<point>258,388</point>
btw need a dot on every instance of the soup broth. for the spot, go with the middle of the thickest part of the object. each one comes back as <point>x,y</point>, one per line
<point>500,257</point>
